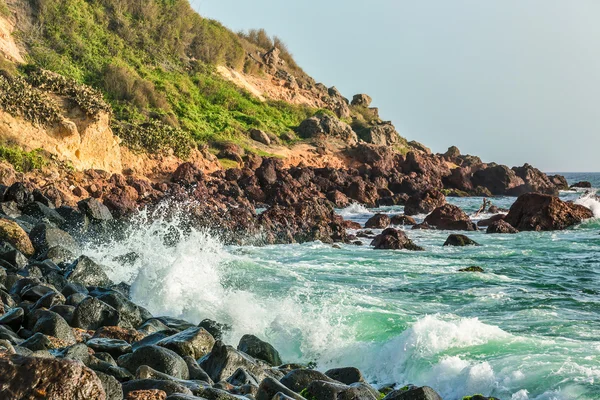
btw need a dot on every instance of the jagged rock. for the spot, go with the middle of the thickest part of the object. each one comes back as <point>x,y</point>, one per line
<point>131,315</point>
<point>539,212</point>
<point>381,157</point>
<point>378,221</point>
<point>328,126</point>
<point>460,240</point>
<point>452,152</point>
<point>40,211</point>
<point>43,237</point>
<point>498,179</point>
<point>91,314</point>
<point>86,272</point>
<point>186,174</point>
<point>339,199</point>
<point>402,220</point>
<point>12,233</point>
<point>117,332</point>
<point>347,375</point>
<point>559,181</point>
<point>535,181</point>
<point>260,136</point>
<point>196,372</point>
<point>363,192</point>
<point>392,239</point>
<point>158,358</point>
<point>95,210</point>
<point>52,324</point>
<point>224,360</point>
<point>424,202</point>
<point>419,393</point>
<point>450,217</point>
<point>362,100</point>
<point>383,134</point>
<point>18,193</point>
<point>195,342</point>
<point>259,349</point>
<point>501,226</point>
<point>30,378</point>
<point>269,387</point>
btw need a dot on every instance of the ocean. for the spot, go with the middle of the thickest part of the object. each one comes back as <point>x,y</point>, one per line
<point>526,328</point>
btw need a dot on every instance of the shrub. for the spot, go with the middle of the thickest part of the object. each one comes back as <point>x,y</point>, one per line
<point>18,98</point>
<point>23,161</point>
<point>155,137</point>
<point>4,8</point>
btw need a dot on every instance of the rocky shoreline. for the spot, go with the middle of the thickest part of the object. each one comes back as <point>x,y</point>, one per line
<point>68,332</point>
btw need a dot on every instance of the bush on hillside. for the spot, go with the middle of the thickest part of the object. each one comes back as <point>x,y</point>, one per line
<point>18,98</point>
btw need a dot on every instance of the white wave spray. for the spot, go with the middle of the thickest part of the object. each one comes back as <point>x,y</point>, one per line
<point>591,201</point>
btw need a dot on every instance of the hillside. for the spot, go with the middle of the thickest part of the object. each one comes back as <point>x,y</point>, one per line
<point>165,81</point>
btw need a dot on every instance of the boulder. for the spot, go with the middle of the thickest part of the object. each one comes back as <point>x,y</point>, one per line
<point>269,387</point>
<point>91,314</point>
<point>322,390</point>
<point>498,179</point>
<point>95,210</point>
<point>52,324</point>
<point>347,375</point>
<point>216,329</point>
<point>559,181</point>
<point>187,174</point>
<point>223,361</point>
<point>540,212</point>
<point>491,220</point>
<point>534,181</point>
<point>378,221</point>
<point>393,239</point>
<point>424,202</point>
<point>450,217</point>
<point>86,272</point>
<point>152,389</point>
<point>112,387</point>
<point>363,192</point>
<point>582,185</point>
<point>299,379</point>
<point>195,342</point>
<point>413,393</point>
<point>402,220</point>
<point>156,357</point>
<point>383,134</point>
<point>362,100</point>
<point>44,237</point>
<point>338,199</point>
<point>460,240</point>
<point>329,126</point>
<point>376,156</point>
<point>260,136</point>
<point>33,378</point>
<point>114,347</point>
<point>501,226</point>
<point>12,233</point>
<point>259,349</point>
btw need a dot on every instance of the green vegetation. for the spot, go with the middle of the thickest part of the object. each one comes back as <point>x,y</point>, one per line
<point>154,63</point>
<point>23,161</point>
<point>18,97</point>
<point>4,8</point>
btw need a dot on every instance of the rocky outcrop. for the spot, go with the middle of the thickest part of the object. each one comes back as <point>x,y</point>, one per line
<point>383,134</point>
<point>498,179</point>
<point>450,217</point>
<point>424,202</point>
<point>362,100</point>
<point>501,226</point>
<point>534,181</point>
<point>328,127</point>
<point>539,212</point>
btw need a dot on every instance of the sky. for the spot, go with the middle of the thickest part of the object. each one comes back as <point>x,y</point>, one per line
<point>511,81</point>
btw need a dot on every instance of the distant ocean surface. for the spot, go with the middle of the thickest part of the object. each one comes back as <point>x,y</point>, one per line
<point>527,328</point>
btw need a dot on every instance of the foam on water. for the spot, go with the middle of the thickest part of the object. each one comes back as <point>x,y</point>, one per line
<point>591,201</point>
<point>353,210</point>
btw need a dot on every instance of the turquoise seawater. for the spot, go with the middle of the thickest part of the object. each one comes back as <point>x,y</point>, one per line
<point>526,328</point>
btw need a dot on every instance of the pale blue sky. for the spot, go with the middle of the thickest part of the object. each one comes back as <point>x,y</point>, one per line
<point>512,81</point>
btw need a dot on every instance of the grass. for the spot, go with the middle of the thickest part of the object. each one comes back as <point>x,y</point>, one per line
<point>155,65</point>
<point>23,161</point>
<point>228,164</point>
<point>4,11</point>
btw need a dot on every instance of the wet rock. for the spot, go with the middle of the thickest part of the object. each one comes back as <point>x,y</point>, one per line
<point>269,387</point>
<point>393,239</point>
<point>114,347</point>
<point>131,315</point>
<point>196,372</point>
<point>321,390</point>
<point>559,181</point>
<point>347,375</point>
<point>242,377</point>
<point>40,211</point>
<point>18,193</point>
<point>363,192</point>
<point>299,379</point>
<point>52,324</point>
<point>402,220</point>
<point>259,349</point>
<point>86,272</point>
<point>158,358</point>
<point>59,254</point>
<point>460,240</point>
<point>13,318</point>
<point>64,311</point>
<point>539,212</point>
<point>146,372</point>
<point>471,269</point>
<point>91,314</point>
<point>489,221</point>
<point>43,237</point>
<point>501,226</point>
<point>424,202</point>
<point>95,210</point>
<point>120,333</point>
<point>12,233</point>
<point>581,185</point>
<point>339,199</point>
<point>111,386</point>
<point>419,393</point>
<point>195,342</point>
<point>450,217</point>
<point>155,385</point>
<point>378,221</point>
<point>216,329</point>
<point>28,378</point>
<point>224,360</point>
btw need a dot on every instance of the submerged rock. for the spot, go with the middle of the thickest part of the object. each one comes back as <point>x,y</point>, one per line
<point>424,202</point>
<point>501,226</point>
<point>259,349</point>
<point>450,217</point>
<point>378,221</point>
<point>471,269</point>
<point>347,375</point>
